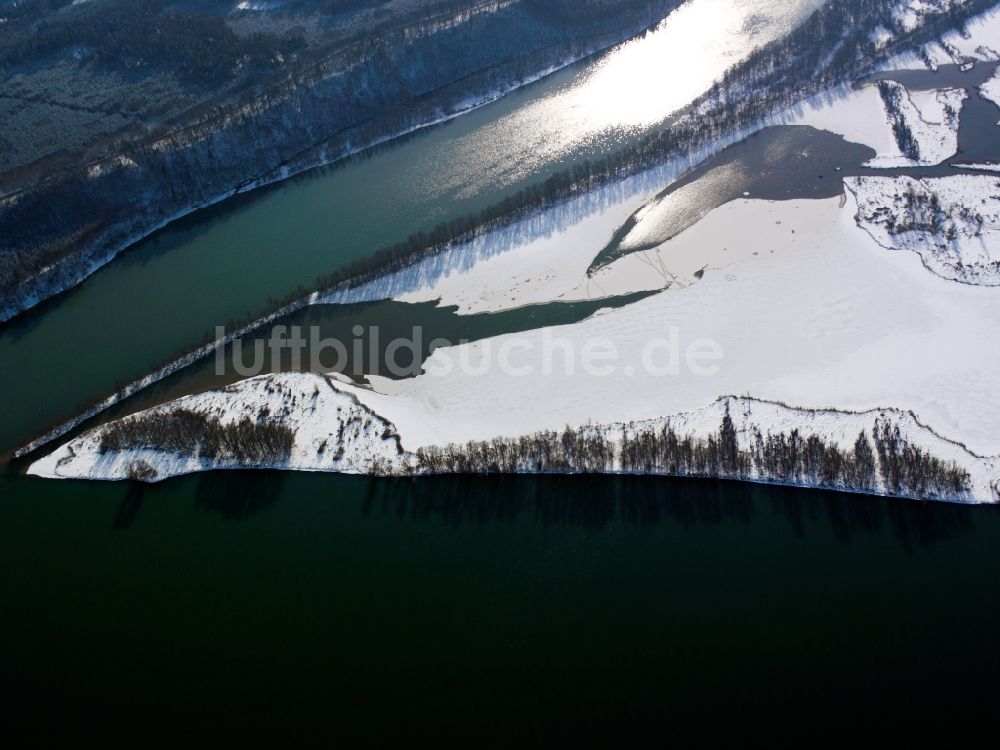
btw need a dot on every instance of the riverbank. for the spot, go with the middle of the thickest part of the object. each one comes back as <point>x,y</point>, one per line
<point>553,254</point>
<point>850,338</point>
<point>328,220</point>
<point>100,247</point>
<point>688,276</point>
<point>880,452</point>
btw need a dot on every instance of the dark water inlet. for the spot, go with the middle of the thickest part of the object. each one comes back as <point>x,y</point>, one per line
<point>369,335</point>
<point>777,163</point>
<point>225,262</point>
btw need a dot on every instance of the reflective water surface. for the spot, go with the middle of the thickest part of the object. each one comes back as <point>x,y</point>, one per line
<point>623,94</point>
<point>223,263</point>
<point>256,605</point>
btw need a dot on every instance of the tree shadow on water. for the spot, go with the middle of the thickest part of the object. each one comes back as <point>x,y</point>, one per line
<point>913,523</point>
<point>238,495</point>
<point>592,502</point>
<point>597,502</point>
<point>456,500</point>
<point>648,501</point>
<point>128,509</point>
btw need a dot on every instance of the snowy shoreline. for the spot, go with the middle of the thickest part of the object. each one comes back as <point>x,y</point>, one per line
<point>70,272</point>
<point>950,222</point>
<point>859,331</point>
<point>859,310</point>
<point>335,432</point>
<point>412,282</point>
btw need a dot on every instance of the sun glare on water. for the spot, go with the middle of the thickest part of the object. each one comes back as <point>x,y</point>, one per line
<point>633,88</point>
<point>650,78</point>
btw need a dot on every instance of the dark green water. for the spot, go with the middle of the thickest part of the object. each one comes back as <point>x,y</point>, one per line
<point>483,608</point>
<point>169,291</point>
<point>258,606</point>
<point>223,263</point>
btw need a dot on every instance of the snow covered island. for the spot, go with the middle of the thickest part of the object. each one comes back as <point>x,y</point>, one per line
<point>307,422</point>
<point>837,361</point>
<point>952,223</point>
<point>857,368</point>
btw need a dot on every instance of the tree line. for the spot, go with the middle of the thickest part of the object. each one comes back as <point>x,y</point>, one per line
<point>883,462</point>
<point>892,98</point>
<point>184,432</point>
<point>771,79</point>
<point>325,99</point>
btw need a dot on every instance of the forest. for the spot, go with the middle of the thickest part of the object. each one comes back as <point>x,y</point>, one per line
<point>883,462</point>
<point>892,97</point>
<point>236,116</point>
<point>771,80</point>
<point>183,432</point>
<point>923,211</point>
<point>153,33</point>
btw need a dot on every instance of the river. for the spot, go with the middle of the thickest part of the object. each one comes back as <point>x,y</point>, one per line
<point>262,602</point>
<point>259,600</point>
<point>223,263</point>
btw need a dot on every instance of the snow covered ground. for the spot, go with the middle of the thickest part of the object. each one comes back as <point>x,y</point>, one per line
<point>542,257</point>
<point>858,115</point>
<point>804,307</point>
<point>539,258</point>
<point>978,42</point>
<point>354,441</point>
<point>909,14</point>
<point>929,120</point>
<point>991,88</point>
<point>925,125</point>
<point>796,305</point>
<point>333,432</point>
<point>861,117</point>
<point>810,311</point>
<point>952,223</point>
